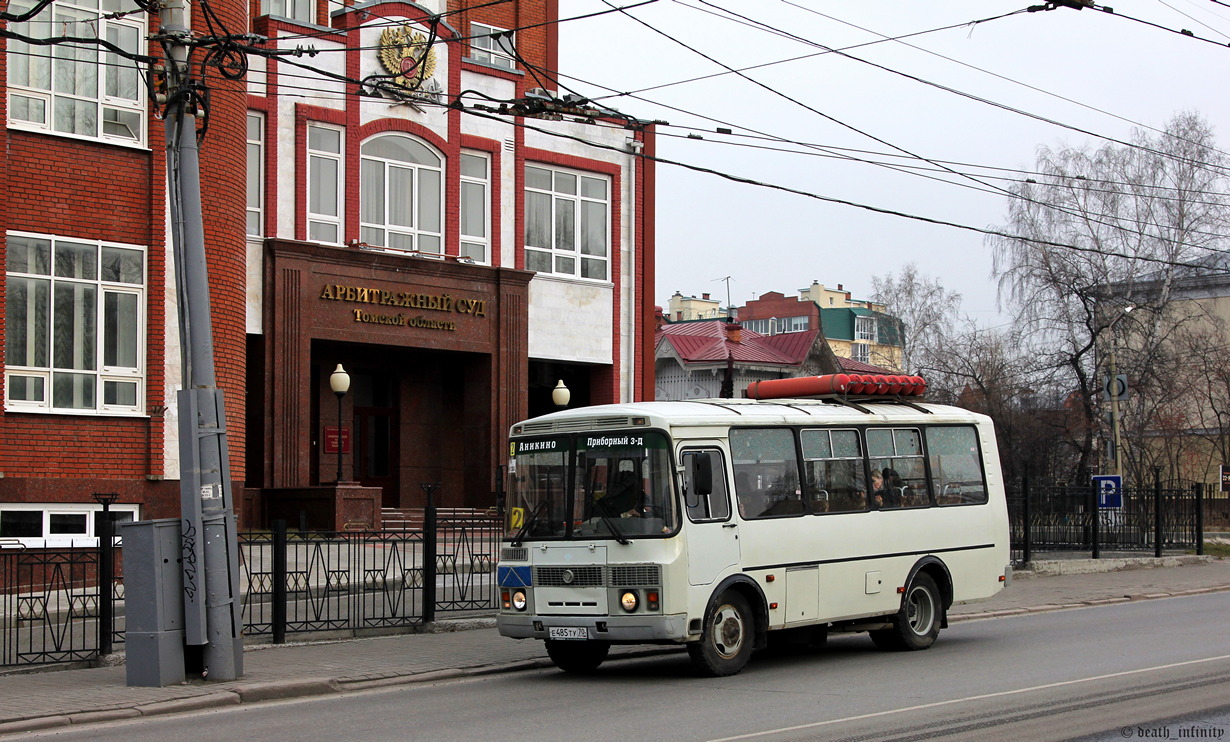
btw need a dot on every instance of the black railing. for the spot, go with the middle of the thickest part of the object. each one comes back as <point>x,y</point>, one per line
<point>1135,519</point>
<point>291,583</point>
<point>48,605</point>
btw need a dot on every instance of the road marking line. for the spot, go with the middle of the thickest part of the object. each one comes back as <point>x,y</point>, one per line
<point>952,701</point>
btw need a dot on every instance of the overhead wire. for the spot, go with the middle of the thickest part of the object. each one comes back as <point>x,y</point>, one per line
<point>970,96</point>
<point>741,179</point>
<point>875,209</point>
<point>1005,78</point>
<point>775,91</point>
<point>1193,19</point>
<point>827,149</point>
<point>923,169</point>
<point>984,186</point>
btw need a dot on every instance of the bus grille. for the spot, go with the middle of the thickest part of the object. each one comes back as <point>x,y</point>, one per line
<point>636,575</point>
<point>514,554</point>
<point>555,576</point>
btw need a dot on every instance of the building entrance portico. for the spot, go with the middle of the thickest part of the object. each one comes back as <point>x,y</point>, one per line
<point>436,352</point>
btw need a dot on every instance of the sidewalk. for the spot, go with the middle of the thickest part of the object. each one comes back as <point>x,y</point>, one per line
<point>460,648</point>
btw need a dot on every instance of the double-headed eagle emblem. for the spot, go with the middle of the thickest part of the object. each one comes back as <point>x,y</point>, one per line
<point>404,52</point>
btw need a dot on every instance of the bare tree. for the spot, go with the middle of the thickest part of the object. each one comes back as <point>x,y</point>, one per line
<point>926,311</point>
<point>1103,230</point>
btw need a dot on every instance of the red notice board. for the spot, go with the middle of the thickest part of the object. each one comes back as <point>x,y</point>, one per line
<point>332,438</point>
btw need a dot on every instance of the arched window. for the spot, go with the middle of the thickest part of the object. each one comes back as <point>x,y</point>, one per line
<point>401,196</point>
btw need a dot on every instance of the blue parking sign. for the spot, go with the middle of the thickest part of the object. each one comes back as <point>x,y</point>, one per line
<point>1110,490</point>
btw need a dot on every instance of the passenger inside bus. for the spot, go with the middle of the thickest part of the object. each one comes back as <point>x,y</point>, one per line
<point>887,489</point>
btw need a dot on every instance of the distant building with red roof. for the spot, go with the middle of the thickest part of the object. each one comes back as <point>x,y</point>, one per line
<point>695,360</point>
<point>856,329</point>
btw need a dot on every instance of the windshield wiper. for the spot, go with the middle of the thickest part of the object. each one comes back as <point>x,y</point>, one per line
<point>610,524</point>
<point>525,528</point>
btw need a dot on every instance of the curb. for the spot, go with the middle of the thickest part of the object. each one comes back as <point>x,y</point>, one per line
<point>1050,607</point>
<point>1054,567</point>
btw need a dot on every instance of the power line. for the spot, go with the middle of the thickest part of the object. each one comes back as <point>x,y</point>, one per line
<point>922,170</point>
<point>976,98</point>
<point>983,70</point>
<point>1018,194</point>
<point>875,209</point>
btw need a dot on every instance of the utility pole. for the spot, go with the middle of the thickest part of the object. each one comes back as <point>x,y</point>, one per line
<point>212,618</point>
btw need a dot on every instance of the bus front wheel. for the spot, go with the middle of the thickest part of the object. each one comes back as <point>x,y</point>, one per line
<point>576,657</point>
<point>917,624</point>
<point>726,644</point>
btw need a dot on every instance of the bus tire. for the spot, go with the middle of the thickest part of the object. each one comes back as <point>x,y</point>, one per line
<point>726,644</point>
<point>917,624</point>
<point>580,658</point>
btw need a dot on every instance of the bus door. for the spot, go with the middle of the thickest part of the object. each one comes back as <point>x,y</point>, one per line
<point>712,534</point>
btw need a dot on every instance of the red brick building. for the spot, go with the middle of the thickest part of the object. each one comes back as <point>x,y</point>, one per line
<point>358,210</point>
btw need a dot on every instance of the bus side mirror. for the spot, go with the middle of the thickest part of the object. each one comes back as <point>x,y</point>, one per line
<point>701,474</point>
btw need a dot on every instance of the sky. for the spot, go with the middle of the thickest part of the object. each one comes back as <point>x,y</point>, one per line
<point>1106,74</point>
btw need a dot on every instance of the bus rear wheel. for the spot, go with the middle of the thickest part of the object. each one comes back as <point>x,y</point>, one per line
<point>917,624</point>
<point>580,658</point>
<point>726,644</point>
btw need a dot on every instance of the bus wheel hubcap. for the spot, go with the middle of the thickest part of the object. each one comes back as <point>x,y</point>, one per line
<point>728,631</point>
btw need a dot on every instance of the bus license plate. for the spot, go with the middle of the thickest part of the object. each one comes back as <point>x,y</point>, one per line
<point>567,632</point>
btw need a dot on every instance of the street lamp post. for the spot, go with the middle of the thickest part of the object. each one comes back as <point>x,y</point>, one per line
<point>339,382</point>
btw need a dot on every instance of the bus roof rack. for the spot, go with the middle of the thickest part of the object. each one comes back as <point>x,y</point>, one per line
<point>867,387</point>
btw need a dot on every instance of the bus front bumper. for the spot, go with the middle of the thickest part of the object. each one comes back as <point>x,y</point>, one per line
<point>638,629</point>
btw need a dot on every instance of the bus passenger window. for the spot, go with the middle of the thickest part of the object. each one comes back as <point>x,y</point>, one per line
<point>833,464</point>
<point>956,465</point>
<point>766,472</point>
<point>895,455</point>
<point>701,506</point>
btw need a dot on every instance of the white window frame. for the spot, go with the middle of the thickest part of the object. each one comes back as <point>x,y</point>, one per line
<point>473,246</point>
<point>486,48</point>
<point>101,373</point>
<point>562,198</point>
<point>58,19</point>
<point>865,328</point>
<point>319,221</point>
<point>792,324</point>
<point>422,237</point>
<point>303,11</point>
<point>759,326</point>
<point>860,352</point>
<point>87,538</point>
<point>256,174</point>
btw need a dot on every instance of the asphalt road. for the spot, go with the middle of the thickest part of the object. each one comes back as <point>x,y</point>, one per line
<point>1140,670</point>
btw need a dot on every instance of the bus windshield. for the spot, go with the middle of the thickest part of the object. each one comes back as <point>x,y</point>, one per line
<point>613,485</point>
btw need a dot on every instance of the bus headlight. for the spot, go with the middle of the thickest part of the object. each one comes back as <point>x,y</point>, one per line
<point>518,600</point>
<point>629,601</point>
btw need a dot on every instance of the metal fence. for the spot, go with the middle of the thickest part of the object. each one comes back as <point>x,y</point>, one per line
<point>52,610</point>
<point>48,605</point>
<point>1083,519</point>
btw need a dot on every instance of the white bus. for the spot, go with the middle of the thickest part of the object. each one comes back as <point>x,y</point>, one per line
<point>723,524</point>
